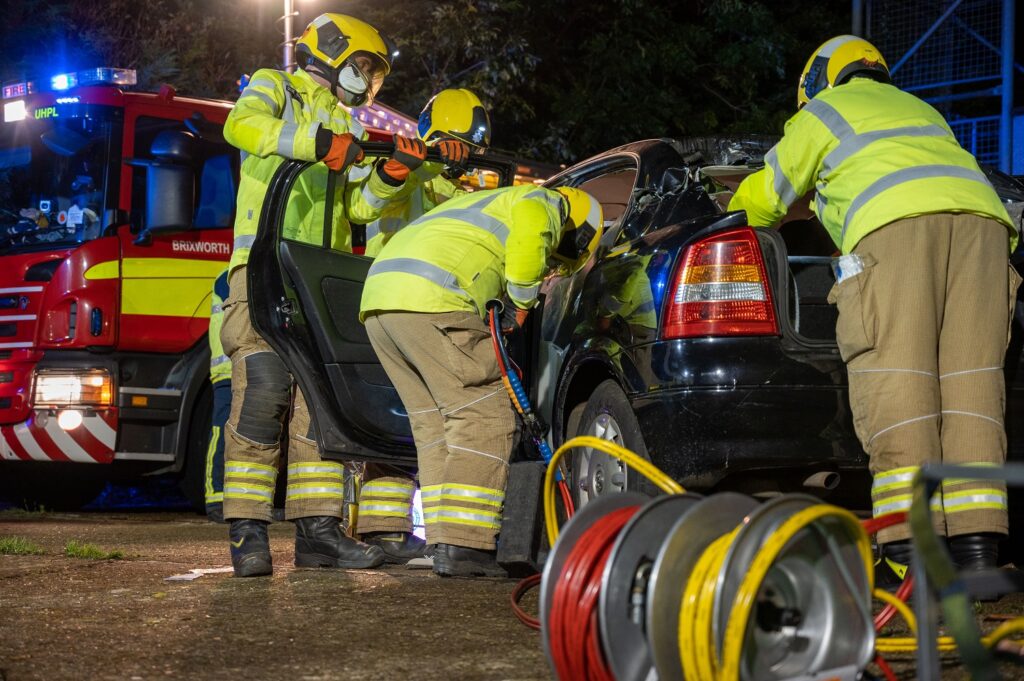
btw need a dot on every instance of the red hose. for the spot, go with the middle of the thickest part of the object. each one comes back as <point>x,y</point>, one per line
<point>886,669</point>
<point>573,627</point>
<point>873,525</point>
<point>518,592</point>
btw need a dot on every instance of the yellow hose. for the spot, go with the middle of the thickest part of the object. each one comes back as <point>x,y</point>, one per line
<point>902,608</point>
<point>634,461</point>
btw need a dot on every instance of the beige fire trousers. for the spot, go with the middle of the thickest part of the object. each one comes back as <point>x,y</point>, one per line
<point>263,398</point>
<point>444,369</point>
<point>923,331</point>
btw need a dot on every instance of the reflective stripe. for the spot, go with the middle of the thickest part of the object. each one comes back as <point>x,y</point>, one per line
<point>316,468</point>
<point>246,492</point>
<point>356,173</point>
<point>832,119</point>
<point>820,203</point>
<point>438,498</point>
<point>322,20</point>
<point>286,140</point>
<point>645,307</point>
<point>901,424</point>
<point>275,108</point>
<point>476,217</point>
<point>970,500</point>
<point>252,469</point>
<point>851,145</point>
<point>288,115</point>
<point>545,196</point>
<point>219,359</point>
<point>528,293</point>
<point>780,183</point>
<point>900,503</point>
<point>312,131</point>
<point>968,371</point>
<point>372,199</point>
<point>464,491</point>
<point>457,515</point>
<point>322,491</point>
<point>244,241</point>
<point>949,482</point>
<point>385,509</point>
<point>419,268</point>
<point>893,476</point>
<point>387,226</point>
<point>907,175</point>
<point>263,82</point>
<point>976,415</point>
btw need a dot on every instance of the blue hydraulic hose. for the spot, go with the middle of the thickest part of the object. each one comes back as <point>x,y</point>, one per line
<point>519,391</point>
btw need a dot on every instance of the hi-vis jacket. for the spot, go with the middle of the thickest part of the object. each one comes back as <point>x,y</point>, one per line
<point>874,154</point>
<point>470,250</point>
<point>277,117</point>
<point>416,198</point>
<point>220,365</point>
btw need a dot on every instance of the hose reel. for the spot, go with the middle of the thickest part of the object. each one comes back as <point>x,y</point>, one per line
<point>707,589</point>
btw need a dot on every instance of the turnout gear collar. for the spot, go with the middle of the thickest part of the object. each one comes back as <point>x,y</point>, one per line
<point>352,56</point>
<point>583,226</point>
<point>835,62</point>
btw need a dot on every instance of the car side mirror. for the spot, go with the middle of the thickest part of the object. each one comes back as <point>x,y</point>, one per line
<point>170,184</point>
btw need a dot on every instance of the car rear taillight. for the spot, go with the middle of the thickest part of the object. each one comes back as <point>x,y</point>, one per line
<point>721,289</point>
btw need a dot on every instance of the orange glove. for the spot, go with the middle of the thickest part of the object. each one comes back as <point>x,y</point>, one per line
<point>513,315</point>
<point>408,156</point>
<point>344,151</point>
<point>453,152</point>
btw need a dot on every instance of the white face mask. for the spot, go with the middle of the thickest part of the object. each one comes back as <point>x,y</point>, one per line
<point>353,85</point>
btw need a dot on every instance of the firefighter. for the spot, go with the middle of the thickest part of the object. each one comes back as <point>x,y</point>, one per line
<point>280,116</point>
<point>423,306</point>
<point>220,379</point>
<point>456,122</point>
<point>924,288</point>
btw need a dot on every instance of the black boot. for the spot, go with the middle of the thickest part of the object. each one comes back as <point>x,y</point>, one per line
<point>398,547</point>
<point>975,551</point>
<point>215,512</point>
<point>250,548</point>
<point>460,561</point>
<point>319,542</point>
<point>893,564</point>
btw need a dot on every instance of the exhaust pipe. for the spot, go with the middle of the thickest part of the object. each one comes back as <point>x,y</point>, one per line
<point>827,480</point>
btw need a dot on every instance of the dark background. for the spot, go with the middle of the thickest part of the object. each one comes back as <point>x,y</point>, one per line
<point>563,78</point>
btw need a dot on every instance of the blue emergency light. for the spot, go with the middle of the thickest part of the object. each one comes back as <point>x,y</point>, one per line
<point>103,75</point>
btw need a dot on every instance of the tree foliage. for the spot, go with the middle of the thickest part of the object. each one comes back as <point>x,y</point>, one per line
<point>562,78</point>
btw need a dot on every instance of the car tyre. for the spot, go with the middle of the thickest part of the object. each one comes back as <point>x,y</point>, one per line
<point>608,415</point>
<point>193,476</point>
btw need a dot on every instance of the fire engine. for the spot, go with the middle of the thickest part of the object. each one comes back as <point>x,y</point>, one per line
<point>116,213</point>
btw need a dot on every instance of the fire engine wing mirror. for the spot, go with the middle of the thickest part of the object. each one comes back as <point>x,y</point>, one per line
<point>205,129</point>
<point>170,184</point>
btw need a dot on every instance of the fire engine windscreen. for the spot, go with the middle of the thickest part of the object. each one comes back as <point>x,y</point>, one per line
<point>56,172</point>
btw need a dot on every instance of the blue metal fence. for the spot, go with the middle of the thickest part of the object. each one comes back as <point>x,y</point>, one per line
<point>958,55</point>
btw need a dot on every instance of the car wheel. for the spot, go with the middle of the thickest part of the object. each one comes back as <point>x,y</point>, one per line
<point>608,416</point>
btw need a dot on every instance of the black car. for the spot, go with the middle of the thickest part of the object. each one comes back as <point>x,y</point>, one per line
<point>748,394</point>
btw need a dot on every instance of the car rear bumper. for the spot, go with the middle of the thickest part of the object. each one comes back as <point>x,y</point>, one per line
<point>700,436</point>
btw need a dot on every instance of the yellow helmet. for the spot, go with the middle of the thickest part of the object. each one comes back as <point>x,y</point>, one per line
<point>835,61</point>
<point>581,230</point>
<point>348,53</point>
<point>456,113</point>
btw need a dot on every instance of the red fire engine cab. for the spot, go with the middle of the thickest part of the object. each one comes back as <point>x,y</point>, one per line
<point>116,213</point>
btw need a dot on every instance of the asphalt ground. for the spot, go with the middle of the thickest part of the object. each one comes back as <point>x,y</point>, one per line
<point>96,618</point>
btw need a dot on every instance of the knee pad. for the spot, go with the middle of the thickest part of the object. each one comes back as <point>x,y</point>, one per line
<point>268,390</point>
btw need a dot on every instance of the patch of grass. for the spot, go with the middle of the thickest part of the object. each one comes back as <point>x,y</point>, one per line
<point>19,546</point>
<point>77,549</point>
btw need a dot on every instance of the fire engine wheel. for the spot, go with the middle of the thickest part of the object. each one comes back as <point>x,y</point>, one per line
<point>193,475</point>
<point>609,416</point>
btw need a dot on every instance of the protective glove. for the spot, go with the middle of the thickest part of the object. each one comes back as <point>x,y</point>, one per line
<point>344,151</point>
<point>408,156</point>
<point>512,317</point>
<point>454,153</point>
